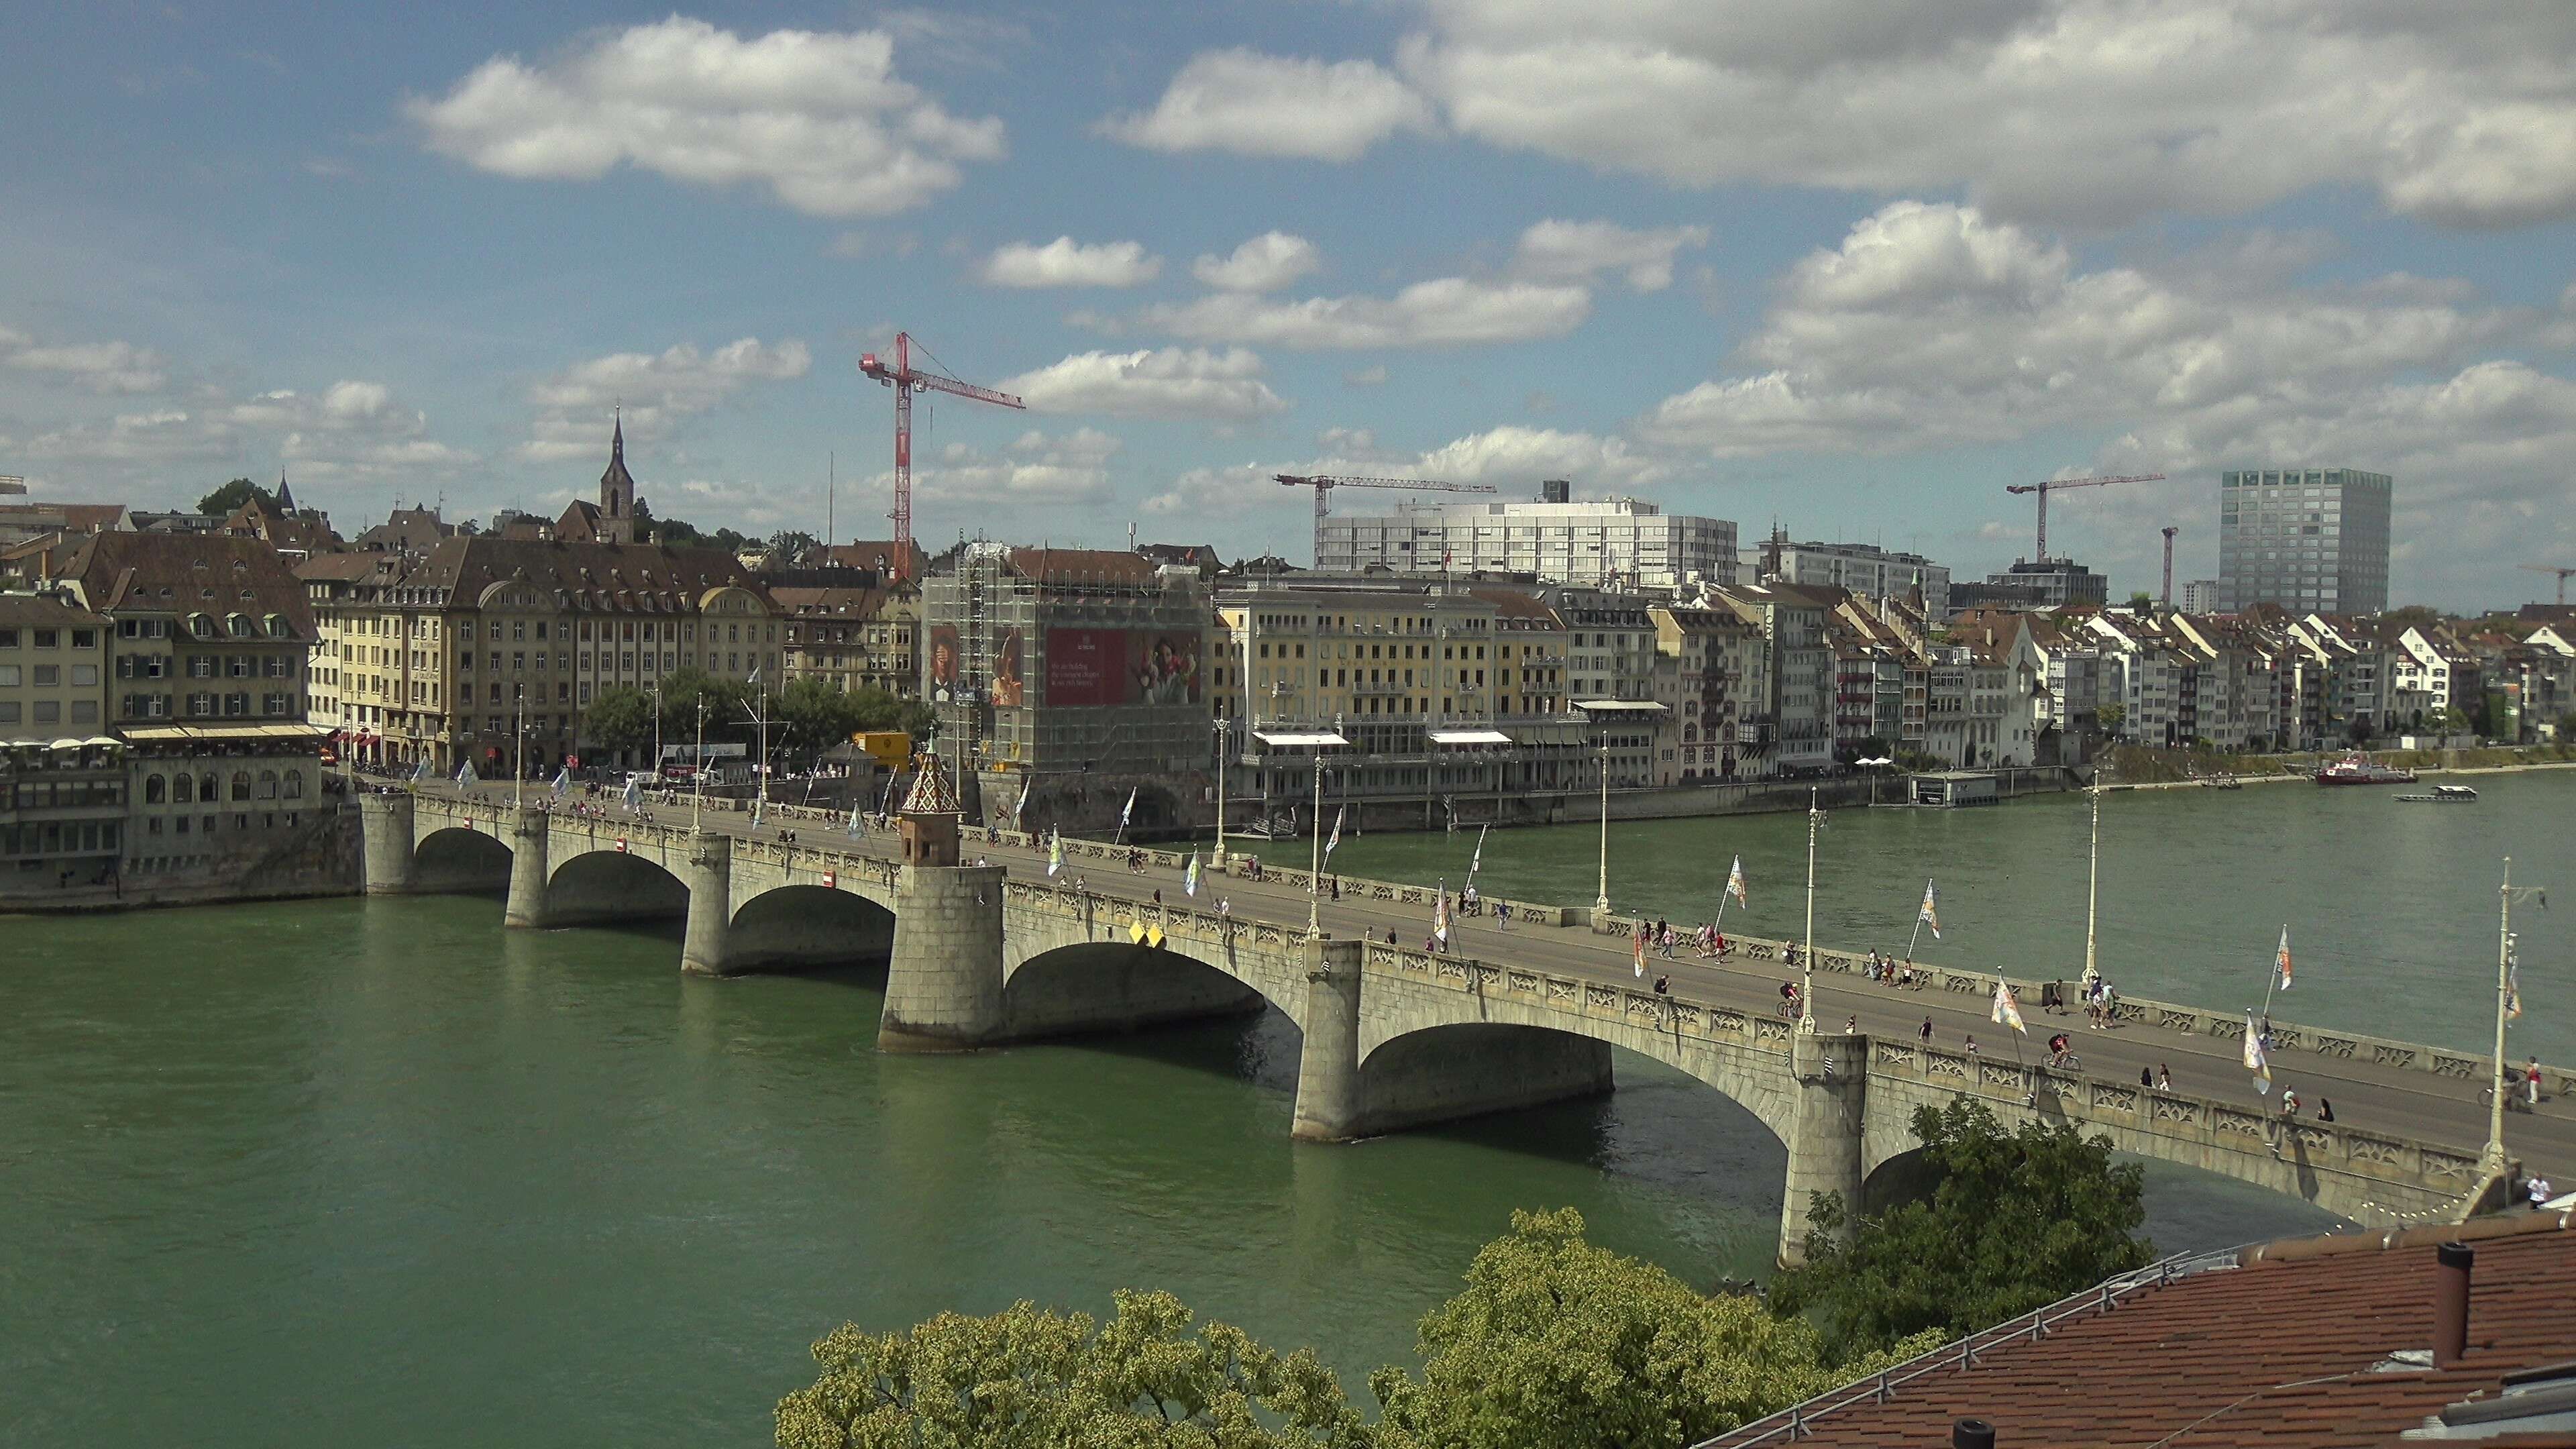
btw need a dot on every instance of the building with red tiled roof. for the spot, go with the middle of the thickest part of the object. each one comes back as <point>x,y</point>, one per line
<point>2318,1343</point>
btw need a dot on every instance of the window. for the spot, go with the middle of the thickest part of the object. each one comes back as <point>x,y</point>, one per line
<point>294,784</point>
<point>9,675</point>
<point>156,788</point>
<point>208,791</point>
<point>241,784</point>
<point>49,711</point>
<point>48,674</point>
<point>85,711</point>
<point>49,638</point>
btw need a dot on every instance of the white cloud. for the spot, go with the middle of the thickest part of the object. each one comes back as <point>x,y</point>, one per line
<point>2085,113</point>
<point>1065,262</point>
<point>1036,470</point>
<point>656,390</point>
<point>817,117</point>
<point>1370,376</point>
<point>102,367</point>
<point>1264,264</point>
<point>1265,105</point>
<point>1512,459</point>
<point>1576,251</point>
<point>350,431</point>
<point>1172,382</point>
<point>1443,312</point>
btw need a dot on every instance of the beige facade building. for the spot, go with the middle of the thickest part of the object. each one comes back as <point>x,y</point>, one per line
<point>853,639</point>
<point>62,782</point>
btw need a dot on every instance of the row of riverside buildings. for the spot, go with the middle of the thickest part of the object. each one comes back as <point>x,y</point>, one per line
<point>171,685</point>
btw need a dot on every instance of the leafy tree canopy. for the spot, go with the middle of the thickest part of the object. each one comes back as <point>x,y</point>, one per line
<point>1029,1379</point>
<point>619,718</point>
<point>1557,1342</point>
<point>233,495</point>
<point>2016,1221</point>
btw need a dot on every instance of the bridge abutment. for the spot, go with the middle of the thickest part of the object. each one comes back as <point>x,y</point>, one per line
<point>1830,1077</point>
<point>944,980</point>
<point>528,873</point>
<point>702,949</point>
<point>1328,1063</point>
<point>387,843</point>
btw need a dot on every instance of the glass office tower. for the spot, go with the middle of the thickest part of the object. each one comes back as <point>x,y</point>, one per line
<point>2309,540</point>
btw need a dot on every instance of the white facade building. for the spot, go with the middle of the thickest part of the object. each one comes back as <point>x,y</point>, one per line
<point>1614,543</point>
<point>1866,569</point>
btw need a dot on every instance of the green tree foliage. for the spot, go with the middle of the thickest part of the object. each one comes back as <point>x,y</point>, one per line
<point>2419,615</point>
<point>233,495</point>
<point>728,704</point>
<point>683,535</point>
<point>1558,1342</point>
<point>821,715</point>
<point>2016,1221</point>
<point>620,717</point>
<point>1029,1379</point>
<point>2112,716</point>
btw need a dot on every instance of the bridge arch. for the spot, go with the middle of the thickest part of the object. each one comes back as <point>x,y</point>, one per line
<point>808,925</point>
<point>460,861</point>
<point>1446,1070</point>
<point>1092,986</point>
<point>612,885</point>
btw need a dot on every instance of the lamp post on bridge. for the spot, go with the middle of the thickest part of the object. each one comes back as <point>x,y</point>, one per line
<point>1807,952</point>
<point>1224,746</point>
<point>1315,860</point>
<point>1601,902</point>
<point>2493,1159</point>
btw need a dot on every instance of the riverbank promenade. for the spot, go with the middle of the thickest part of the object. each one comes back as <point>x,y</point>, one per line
<point>1523,1007</point>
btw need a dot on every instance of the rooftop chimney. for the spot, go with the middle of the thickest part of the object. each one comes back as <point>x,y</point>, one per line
<point>2451,1303</point>
<point>1972,1434</point>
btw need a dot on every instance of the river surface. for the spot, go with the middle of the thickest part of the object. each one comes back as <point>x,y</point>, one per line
<point>378,1172</point>
<point>2391,906</point>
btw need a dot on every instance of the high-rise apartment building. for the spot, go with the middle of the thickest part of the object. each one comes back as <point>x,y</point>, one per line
<point>2312,540</point>
<point>1613,543</point>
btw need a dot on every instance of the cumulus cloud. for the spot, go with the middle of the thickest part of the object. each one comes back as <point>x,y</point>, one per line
<point>1444,312</point>
<point>1172,382</point>
<point>1578,251</point>
<point>2077,112</point>
<point>1265,105</point>
<point>1264,264</point>
<point>816,117</point>
<point>1510,458</point>
<point>102,367</point>
<point>1933,325</point>
<point>349,431</point>
<point>1065,262</point>
<point>1037,469</point>
<point>656,390</point>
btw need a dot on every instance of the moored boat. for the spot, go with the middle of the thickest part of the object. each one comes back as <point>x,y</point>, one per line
<point>2357,768</point>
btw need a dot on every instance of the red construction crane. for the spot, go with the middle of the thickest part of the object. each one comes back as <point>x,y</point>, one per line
<point>2552,569</point>
<point>2048,486</point>
<point>906,380</point>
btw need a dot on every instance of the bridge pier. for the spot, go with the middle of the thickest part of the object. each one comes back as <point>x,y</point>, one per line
<point>702,948</point>
<point>1830,1079</point>
<point>1328,1064</point>
<point>944,980</point>
<point>528,874</point>
<point>385,833</point>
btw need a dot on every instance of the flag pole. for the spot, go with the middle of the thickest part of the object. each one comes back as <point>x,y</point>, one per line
<point>2272,978</point>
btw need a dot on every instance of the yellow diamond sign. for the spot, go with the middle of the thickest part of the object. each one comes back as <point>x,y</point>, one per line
<point>1136,931</point>
<point>1154,937</point>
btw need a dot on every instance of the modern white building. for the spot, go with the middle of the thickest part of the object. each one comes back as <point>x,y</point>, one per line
<point>2200,596</point>
<point>1865,569</point>
<point>1611,543</point>
<point>2307,540</point>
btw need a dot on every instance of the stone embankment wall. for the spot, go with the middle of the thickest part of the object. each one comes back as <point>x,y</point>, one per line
<point>318,857</point>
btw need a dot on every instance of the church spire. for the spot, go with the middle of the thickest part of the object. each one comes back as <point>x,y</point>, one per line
<point>617,490</point>
<point>285,495</point>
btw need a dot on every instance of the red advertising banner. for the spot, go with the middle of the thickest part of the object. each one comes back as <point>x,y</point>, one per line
<point>1086,667</point>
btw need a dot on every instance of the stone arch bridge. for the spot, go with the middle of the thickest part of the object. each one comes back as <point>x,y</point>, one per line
<point>1392,1038</point>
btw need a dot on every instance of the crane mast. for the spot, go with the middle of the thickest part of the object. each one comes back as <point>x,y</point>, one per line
<point>906,380</point>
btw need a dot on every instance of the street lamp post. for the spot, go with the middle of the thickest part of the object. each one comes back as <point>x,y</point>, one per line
<point>1224,744</point>
<point>760,774</point>
<point>1601,903</point>
<point>1807,952</point>
<point>2093,888</point>
<point>2493,1160</point>
<point>698,773</point>
<point>1315,866</point>
<point>655,689</point>
<point>519,756</point>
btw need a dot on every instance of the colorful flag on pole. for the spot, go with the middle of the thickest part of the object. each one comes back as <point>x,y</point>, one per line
<point>1476,862</point>
<point>1055,855</point>
<point>1930,915</point>
<point>855,830</point>
<point>1735,884</point>
<point>1020,808</point>
<point>465,776</point>
<point>421,772</point>
<point>1639,939</point>
<point>1336,837</point>
<point>563,779</point>
<point>2512,985</point>
<point>2256,1060</point>
<point>1440,918</point>
<point>2281,962</point>
<point>1127,810</point>
<point>2007,1010</point>
<point>634,793</point>
<point>1190,877</point>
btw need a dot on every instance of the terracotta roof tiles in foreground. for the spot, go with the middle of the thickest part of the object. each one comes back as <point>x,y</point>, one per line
<point>2281,1349</point>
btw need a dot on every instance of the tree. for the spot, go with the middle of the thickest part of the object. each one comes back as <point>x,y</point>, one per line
<point>727,701</point>
<point>620,718</point>
<point>2419,615</point>
<point>2143,602</point>
<point>233,495</point>
<point>2446,722</point>
<point>2015,1221</point>
<point>2111,717</point>
<point>1030,1379</point>
<point>1557,1342</point>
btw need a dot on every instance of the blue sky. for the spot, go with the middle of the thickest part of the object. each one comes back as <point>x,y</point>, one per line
<point>1850,269</point>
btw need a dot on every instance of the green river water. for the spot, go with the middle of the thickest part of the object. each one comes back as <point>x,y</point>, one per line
<point>377,1172</point>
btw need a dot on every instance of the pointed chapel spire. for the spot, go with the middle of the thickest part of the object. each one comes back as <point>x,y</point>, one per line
<point>285,495</point>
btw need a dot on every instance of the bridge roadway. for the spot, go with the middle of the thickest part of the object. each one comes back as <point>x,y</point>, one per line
<point>2367,1096</point>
